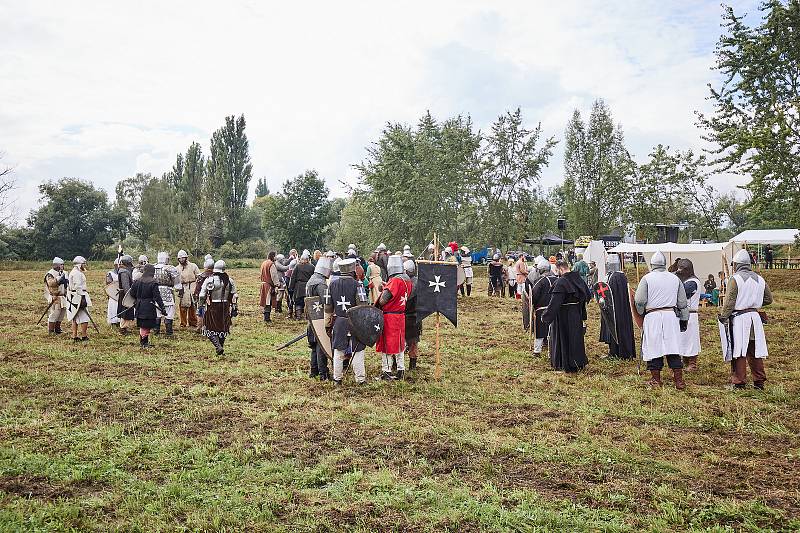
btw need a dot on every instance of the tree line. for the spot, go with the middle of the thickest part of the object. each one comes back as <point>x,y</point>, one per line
<point>480,188</point>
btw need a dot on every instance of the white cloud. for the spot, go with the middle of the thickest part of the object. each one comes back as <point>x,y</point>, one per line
<point>102,90</point>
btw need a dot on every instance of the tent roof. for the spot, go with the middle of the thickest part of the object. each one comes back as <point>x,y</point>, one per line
<point>668,247</point>
<point>766,236</point>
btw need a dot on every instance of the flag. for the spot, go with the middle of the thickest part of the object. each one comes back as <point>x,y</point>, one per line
<point>436,290</point>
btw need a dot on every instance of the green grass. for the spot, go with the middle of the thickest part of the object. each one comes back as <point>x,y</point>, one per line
<point>106,437</point>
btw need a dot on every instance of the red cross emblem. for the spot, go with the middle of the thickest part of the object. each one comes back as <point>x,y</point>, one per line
<point>602,289</point>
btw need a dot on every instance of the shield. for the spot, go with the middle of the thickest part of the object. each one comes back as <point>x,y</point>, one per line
<point>637,318</point>
<point>366,323</point>
<point>726,339</point>
<point>605,298</point>
<point>112,289</point>
<point>128,300</point>
<point>315,313</point>
<point>73,305</point>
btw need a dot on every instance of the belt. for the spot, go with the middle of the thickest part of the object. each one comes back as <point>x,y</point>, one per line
<point>659,309</point>
<point>394,312</point>
<point>738,312</point>
<point>693,311</point>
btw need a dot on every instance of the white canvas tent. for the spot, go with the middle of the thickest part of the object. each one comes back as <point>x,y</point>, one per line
<point>596,252</point>
<point>707,258</point>
<point>766,236</point>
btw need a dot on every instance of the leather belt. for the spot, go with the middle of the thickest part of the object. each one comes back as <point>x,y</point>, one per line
<point>659,309</point>
<point>394,312</point>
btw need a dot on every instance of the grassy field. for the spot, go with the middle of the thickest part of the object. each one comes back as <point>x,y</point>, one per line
<point>104,436</point>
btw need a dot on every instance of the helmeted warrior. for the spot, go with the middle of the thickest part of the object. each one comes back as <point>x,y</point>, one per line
<point>168,280</point>
<point>413,328</point>
<point>78,300</point>
<point>147,295</point>
<point>55,282</point>
<point>566,316</point>
<point>208,271</point>
<point>218,299</point>
<point>465,263</point>
<point>346,292</point>
<point>661,298</point>
<point>620,343</point>
<point>112,284</point>
<point>540,298</point>
<point>495,276</point>
<point>382,260</point>
<point>391,343</point>
<point>317,285</point>
<point>301,274</point>
<point>741,325</point>
<point>270,281</point>
<point>125,275</point>
<point>188,273</point>
<point>282,266</point>
<point>139,270</point>
<point>690,339</point>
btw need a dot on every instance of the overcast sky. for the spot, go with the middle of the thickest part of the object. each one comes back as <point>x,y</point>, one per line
<point>102,90</point>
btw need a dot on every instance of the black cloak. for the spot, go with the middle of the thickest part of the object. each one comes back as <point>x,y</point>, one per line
<point>566,314</point>
<point>626,349</point>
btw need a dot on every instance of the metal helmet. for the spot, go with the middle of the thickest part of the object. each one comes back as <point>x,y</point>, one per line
<point>280,257</point>
<point>406,248</point>
<point>162,258</point>
<point>408,255</point>
<point>658,260</point>
<point>79,260</point>
<point>335,267</point>
<point>305,252</point>
<point>324,267</point>
<point>182,254</point>
<point>330,253</point>
<point>143,259</point>
<point>347,266</point>
<point>464,250</point>
<point>208,263</point>
<point>543,265</point>
<point>742,257</point>
<point>58,261</point>
<point>410,267</point>
<point>381,247</point>
<point>208,256</point>
<point>351,246</point>
<point>306,255</point>
<point>496,257</point>
<point>612,263</point>
<point>219,266</point>
<point>127,260</point>
<point>395,265</point>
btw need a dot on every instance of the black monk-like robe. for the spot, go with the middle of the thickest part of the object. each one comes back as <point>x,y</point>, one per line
<point>625,349</point>
<point>566,314</point>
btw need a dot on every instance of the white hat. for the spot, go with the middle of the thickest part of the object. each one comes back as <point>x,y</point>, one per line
<point>658,260</point>
<point>742,257</point>
<point>182,254</point>
<point>79,260</point>
<point>58,261</point>
<point>219,266</point>
<point>465,249</point>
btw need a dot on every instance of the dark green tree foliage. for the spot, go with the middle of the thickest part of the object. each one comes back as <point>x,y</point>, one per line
<point>193,199</point>
<point>159,220</point>
<point>506,193</point>
<point>298,215</point>
<point>416,181</point>
<point>230,171</point>
<point>756,120</point>
<point>597,169</point>
<point>261,188</point>
<point>74,219</point>
<point>128,206</point>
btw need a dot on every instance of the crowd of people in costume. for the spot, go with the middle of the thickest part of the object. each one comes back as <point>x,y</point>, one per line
<point>554,295</point>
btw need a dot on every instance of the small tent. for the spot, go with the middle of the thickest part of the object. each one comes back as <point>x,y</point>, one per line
<point>707,259</point>
<point>596,251</point>
<point>766,236</point>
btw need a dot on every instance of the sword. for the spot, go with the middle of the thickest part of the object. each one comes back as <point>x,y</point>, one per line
<point>296,339</point>
<point>92,321</point>
<point>47,309</point>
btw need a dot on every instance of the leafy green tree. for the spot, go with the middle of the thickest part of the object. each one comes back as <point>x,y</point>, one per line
<point>194,196</point>
<point>298,215</point>
<point>230,171</point>
<point>261,188</point>
<point>512,166</point>
<point>756,120</point>
<point>597,168</point>
<point>128,206</point>
<point>73,220</point>
<point>159,220</point>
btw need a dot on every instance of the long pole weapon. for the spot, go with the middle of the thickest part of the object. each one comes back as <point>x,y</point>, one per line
<point>47,309</point>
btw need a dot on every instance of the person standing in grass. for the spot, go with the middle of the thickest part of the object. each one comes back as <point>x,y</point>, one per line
<point>521,272</point>
<point>413,328</point>
<point>55,282</point>
<point>690,339</point>
<point>742,327</point>
<point>346,292</point>
<point>495,276</point>
<point>661,298</point>
<point>188,273</point>
<point>540,298</point>
<point>112,276</point>
<point>125,275</point>
<point>148,298</point>
<point>270,280</point>
<point>566,314</point>
<point>78,300</point>
<point>391,343</point>
<point>208,271</point>
<point>218,298</point>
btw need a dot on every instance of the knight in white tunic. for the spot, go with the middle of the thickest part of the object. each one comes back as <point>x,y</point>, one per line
<point>112,280</point>
<point>55,292</point>
<point>168,280</point>
<point>78,300</point>
<point>465,263</point>
<point>741,325</point>
<point>690,339</point>
<point>661,298</point>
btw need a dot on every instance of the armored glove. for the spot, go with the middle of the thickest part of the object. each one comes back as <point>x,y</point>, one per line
<point>64,281</point>
<point>684,325</point>
<point>234,310</point>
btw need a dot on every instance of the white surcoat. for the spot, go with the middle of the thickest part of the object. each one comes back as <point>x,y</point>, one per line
<point>661,329</point>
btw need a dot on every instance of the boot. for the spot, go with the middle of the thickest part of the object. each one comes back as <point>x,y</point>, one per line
<point>461,289</point>
<point>144,342</point>
<point>399,375</point>
<point>217,345</point>
<point>57,328</point>
<point>157,330</point>
<point>690,363</point>
<point>51,328</point>
<point>123,331</point>
<point>279,307</point>
<point>169,331</point>
<point>677,374</point>
<point>469,290</point>
<point>655,379</point>
<point>385,376</point>
<point>267,312</point>
<point>412,363</point>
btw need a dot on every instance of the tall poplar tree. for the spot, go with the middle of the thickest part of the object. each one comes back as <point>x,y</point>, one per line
<point>230,171</point>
